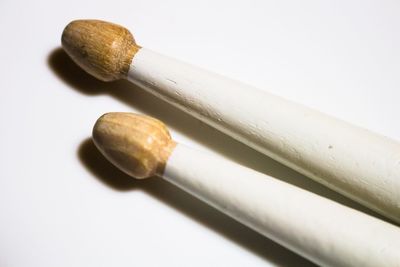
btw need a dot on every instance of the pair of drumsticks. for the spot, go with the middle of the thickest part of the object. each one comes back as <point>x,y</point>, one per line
<point>353,161</point>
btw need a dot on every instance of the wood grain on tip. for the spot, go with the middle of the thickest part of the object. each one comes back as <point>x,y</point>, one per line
<point>139,145</point>
<point>103,49</point>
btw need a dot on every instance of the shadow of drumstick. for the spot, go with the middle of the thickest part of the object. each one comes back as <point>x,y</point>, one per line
<point>181,122</point>
<point>186,204</point>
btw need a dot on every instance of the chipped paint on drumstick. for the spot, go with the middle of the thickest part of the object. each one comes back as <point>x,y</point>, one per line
<point>348,159</point>
<point>353,161</point>
<point>319,229</point>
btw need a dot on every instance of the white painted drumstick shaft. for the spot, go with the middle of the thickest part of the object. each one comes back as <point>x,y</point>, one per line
<point>353,161</point>
<point>319,229</point>
<point>349,159</point>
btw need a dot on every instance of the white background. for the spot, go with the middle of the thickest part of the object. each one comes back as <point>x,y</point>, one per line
<point>62,204</point>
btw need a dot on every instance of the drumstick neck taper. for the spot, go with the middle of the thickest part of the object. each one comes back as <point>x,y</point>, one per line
<point>319,229</point>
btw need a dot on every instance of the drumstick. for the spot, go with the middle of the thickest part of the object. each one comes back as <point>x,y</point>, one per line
<point>319,229</point>
<point>353,161</point>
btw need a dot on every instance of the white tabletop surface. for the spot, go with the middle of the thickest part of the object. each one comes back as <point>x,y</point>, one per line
<point>63,204</point>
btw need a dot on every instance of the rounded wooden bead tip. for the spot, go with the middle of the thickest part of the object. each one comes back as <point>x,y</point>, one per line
<point>103,49</point>
<point>139,145</point>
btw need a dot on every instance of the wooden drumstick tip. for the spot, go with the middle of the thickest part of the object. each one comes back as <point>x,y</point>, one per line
<point>103,49</point>
<point>137,144</point>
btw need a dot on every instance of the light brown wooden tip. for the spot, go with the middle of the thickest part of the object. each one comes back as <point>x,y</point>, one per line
<point>137,144</point>
<point>103,49</point>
